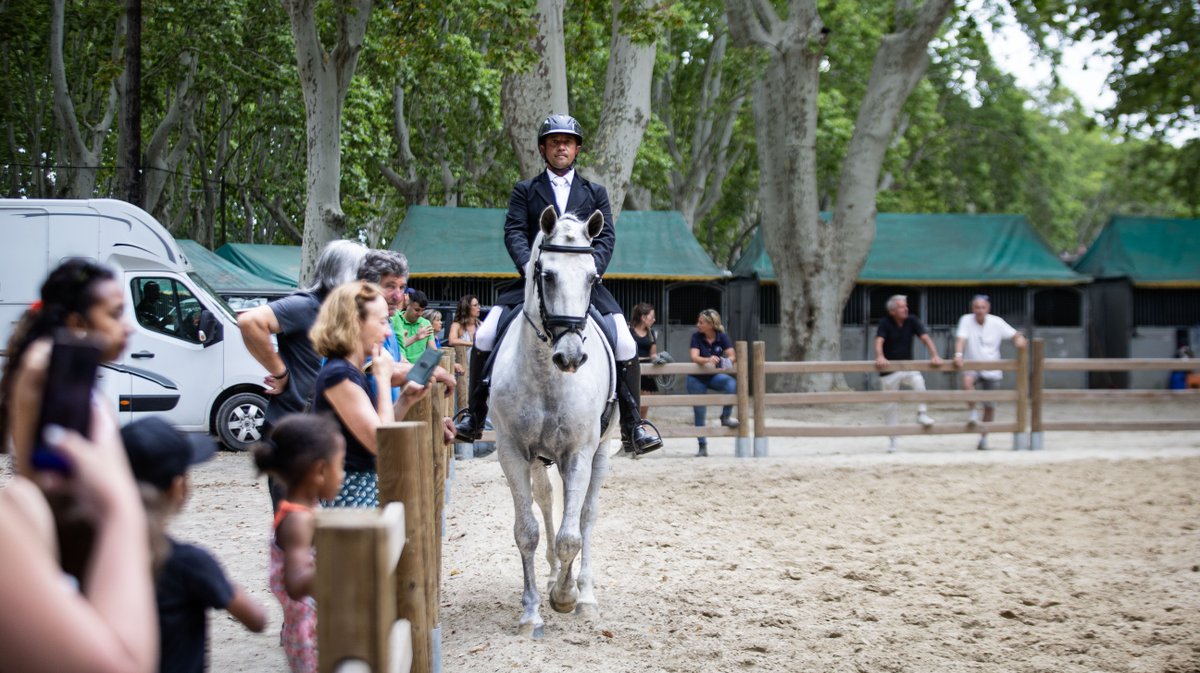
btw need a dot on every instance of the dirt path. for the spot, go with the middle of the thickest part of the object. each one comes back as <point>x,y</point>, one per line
<point>830,555</point>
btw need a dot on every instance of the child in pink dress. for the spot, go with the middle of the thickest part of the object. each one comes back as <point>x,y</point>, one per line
<point>305,452</point>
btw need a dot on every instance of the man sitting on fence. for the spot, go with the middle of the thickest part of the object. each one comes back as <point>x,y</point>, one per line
<point>978,337</point>
<point>894,341</point>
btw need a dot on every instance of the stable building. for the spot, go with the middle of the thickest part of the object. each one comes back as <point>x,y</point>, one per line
<point>1145,301</point>
<point>454,252</point>
<point>939,261</point>
<point>240,288</point>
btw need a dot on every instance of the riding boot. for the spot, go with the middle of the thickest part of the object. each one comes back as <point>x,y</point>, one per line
<point>468,425</point>
<point>636,438</point>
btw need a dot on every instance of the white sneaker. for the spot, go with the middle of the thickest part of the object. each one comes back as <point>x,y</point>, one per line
<point>973,419</point>
<point>924,419</point>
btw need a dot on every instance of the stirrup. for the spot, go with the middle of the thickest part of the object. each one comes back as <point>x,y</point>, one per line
<point>460,434</point>
<point>627,444</point>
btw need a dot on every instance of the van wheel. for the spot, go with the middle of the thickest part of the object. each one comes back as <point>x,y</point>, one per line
<point>240,420</point>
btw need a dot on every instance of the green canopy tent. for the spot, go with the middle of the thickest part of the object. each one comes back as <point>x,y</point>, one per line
<point>1146,299</point>
<point>226,277</point>
<point>279,264</point>
<point>1157,252</point>
<point>469,243</point>
<point>944,249</point>
<point>940,261</point>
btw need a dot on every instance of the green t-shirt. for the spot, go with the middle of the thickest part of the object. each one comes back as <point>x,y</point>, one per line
<point>405,330</point>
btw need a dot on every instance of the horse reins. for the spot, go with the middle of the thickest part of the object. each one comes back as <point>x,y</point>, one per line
<point>549,320</point>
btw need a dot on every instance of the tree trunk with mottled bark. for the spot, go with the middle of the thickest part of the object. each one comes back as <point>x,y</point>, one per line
<point>84,153</point>
<point>528,98</point>
<point>325,79</point>
<point>625,114</point>
<point>817,262</point>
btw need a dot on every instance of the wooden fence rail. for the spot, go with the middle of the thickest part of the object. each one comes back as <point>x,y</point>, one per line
<point>1028,397</point>
<point>1038,424</point>
<point>764,400</point>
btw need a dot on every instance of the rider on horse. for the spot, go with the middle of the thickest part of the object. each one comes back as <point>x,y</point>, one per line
<point>560,140</point>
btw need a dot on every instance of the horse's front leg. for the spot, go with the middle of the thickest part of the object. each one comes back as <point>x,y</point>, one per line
<point>576,476</point>
<point>525,531</point>
<point>588,605</point>
<point>543,495</point>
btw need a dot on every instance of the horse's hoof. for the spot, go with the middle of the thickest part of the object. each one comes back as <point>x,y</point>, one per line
<point>564,607</point>
<point>529,630</point>
<point>588,611</point>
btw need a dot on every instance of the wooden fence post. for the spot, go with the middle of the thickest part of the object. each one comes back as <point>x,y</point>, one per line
<point>759,377</point>
<point>444,407</point>
<point>355,587</point>
<point>1020,436</point>
<point>1037,375</point>
<point>741,443</point>
<point>406,475</point>
<point>441,471</point>
<point>462,451</point>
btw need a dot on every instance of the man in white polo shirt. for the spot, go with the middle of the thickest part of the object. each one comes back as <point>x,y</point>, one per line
<point>978,337</point>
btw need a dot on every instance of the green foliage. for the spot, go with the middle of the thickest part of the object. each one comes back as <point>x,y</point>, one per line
<point>1151,43</point>
<point>971,139</point>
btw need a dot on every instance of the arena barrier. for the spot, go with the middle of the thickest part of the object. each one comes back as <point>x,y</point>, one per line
<point>1038,395</point>
<point>763,400</point>
<point>740,372</point>
<point>379,606</point>
<point>358,628</point>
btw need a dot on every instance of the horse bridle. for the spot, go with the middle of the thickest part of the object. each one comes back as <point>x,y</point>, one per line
<point>550,321</point>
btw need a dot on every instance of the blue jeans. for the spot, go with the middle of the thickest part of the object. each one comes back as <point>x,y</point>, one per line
<point>721,383</point>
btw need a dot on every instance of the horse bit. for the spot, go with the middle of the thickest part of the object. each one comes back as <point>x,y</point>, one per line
<point>550,321</point>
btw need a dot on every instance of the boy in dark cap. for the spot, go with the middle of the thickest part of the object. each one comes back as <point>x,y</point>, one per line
<point>190,580</point>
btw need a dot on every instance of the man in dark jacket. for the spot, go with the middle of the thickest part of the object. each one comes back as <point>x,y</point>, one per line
<point>560,140</point>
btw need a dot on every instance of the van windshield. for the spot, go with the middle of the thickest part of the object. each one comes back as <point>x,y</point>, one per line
<point>212,294</point>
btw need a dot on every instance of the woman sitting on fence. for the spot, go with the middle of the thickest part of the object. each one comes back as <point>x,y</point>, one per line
<point>711,347</point>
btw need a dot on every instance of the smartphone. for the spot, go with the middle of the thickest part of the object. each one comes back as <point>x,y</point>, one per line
<point>423,368</point>
<point>67,395</point>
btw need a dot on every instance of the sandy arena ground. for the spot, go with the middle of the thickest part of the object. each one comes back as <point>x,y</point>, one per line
<point>830,555</point>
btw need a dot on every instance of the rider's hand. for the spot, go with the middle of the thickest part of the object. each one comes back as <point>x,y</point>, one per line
<point>881,362</point>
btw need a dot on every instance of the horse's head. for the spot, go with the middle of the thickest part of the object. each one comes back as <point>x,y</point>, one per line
<point>560,281</point>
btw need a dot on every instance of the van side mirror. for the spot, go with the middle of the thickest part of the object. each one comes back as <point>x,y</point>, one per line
<point>211,329</point>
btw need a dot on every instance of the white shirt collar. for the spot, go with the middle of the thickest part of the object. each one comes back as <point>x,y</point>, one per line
<point>569,177</point>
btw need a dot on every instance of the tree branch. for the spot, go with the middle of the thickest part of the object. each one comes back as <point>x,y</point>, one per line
<point>752,23</point>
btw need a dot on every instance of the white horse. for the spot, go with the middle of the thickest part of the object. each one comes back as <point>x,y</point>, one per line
<point>551,381</point>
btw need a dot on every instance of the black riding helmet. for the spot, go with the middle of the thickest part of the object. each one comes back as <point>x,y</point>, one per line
<point>560,124</point>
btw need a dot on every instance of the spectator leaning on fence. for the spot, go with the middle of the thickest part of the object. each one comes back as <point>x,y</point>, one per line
<point>894,341</point>
<point>711,347</point>
<point>351,327</point>
<point>978,337</point>
<point>412,329</point>
<point>292,370</point>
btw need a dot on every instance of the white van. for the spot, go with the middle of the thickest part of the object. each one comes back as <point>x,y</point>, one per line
<point>186,360</point>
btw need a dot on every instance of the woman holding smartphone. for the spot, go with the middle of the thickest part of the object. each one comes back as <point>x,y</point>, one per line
<point>350,328</point>
<point>110,622</point>
<point>86,299</point>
